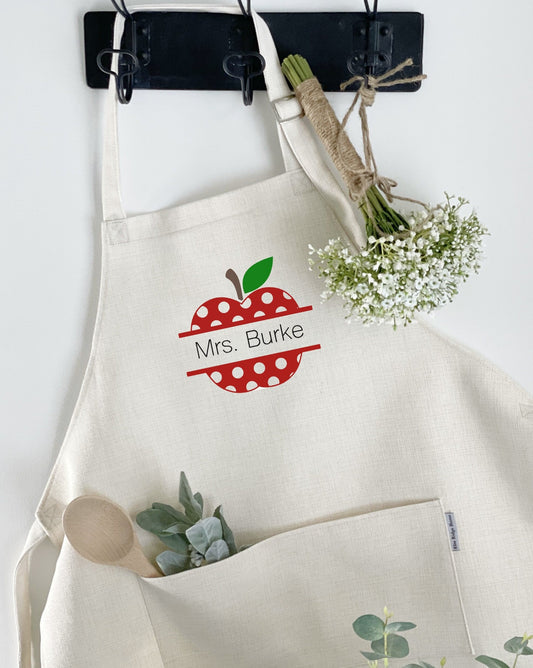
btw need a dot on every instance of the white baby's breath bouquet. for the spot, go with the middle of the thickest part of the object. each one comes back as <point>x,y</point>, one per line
<point>412,262</point>
<point>418,267</point>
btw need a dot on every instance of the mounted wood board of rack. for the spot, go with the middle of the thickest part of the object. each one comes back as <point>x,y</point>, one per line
<point>186,50</point>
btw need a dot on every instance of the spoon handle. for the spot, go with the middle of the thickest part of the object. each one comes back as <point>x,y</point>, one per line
<point>137,562</point>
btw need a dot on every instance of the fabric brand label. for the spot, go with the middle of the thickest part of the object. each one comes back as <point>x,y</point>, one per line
<point>256,341</point>
<point>452,530</point>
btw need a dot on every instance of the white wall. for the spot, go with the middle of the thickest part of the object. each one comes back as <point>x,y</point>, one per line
<point>469,131</point>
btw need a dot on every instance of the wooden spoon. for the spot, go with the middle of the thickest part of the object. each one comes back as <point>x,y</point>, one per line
<point>103,532</point>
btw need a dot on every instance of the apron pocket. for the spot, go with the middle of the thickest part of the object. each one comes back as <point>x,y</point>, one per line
<point>290,600</point>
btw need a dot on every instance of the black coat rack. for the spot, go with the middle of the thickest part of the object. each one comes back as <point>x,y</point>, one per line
<point>212,51</point>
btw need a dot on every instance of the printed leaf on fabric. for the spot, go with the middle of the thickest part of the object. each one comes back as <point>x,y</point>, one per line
<point>257,275</point>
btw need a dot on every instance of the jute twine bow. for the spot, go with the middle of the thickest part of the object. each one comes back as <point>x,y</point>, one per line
<point>366,95</point>
<point>359,176</point>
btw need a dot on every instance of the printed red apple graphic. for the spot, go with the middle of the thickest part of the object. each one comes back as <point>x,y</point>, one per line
<point>259,304</point>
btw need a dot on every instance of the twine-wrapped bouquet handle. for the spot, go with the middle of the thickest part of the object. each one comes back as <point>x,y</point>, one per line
<point>358,174</point>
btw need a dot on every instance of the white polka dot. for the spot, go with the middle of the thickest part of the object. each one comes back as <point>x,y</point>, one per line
<point>258,314</point>
<point>281,309</point>
<point>246,303</point>
<point>237,318</point>
<point>251,385</point>
<point>281,363</point>
<point>273,381</point>
<point>259,367</point>
<point>230,388</point>
<point>237,372</point>
<point>196,327</point>
<point>223,307</point>
<point>267,298</point>
<point>202,312</point>
<point>215,323</point>
<point>287,296</point>
<point>299,358</point>
<point>216,376</point>
<point>292,374</point>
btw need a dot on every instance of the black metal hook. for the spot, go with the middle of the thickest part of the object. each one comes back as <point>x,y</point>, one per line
<point>123,79</point>
<point>371,13</point>
<point>248,10</point>
<point>122,9</point>
<point>244,64</point>
<point>126,70</point>
<point>241,66</point>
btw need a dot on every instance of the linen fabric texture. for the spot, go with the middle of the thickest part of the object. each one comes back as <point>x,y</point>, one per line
<point>338,471</point>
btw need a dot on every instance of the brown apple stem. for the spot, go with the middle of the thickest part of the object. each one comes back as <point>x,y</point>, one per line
<point>232,276</point>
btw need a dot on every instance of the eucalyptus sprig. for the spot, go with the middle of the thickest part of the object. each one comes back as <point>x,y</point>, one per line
<point>386,643</point>
<point>519,646</point>
<point>194,540</point>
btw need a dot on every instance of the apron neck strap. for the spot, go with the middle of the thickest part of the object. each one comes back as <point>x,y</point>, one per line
<point>298,142</point>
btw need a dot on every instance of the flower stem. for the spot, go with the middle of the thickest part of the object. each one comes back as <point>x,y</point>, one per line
<point>380,218</point>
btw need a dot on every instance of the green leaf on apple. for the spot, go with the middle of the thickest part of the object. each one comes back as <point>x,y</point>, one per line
<point>257,275</point>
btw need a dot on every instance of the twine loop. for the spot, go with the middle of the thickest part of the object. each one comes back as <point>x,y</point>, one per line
<point>365,175</point>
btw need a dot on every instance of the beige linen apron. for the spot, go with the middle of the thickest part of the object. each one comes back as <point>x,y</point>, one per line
<point>335,449</point>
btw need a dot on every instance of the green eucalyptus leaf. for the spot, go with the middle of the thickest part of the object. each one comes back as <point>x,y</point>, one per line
<point>394,627</point>
<point>192,508</point>
<point>369,627</point>
<point>490,662</point>
<point>171,563</point>
<point>257,275</point>
<point>518,646</point>
<point>176,542</point>
<point>217,551</point>
<point>426,665</point>
<point>373,656</point>
<point>397,646</point>
<point>155,520</point>
<point>176,514</point>
<point>417,665</point>
<point>204,533</point>
<point>227,533</point>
